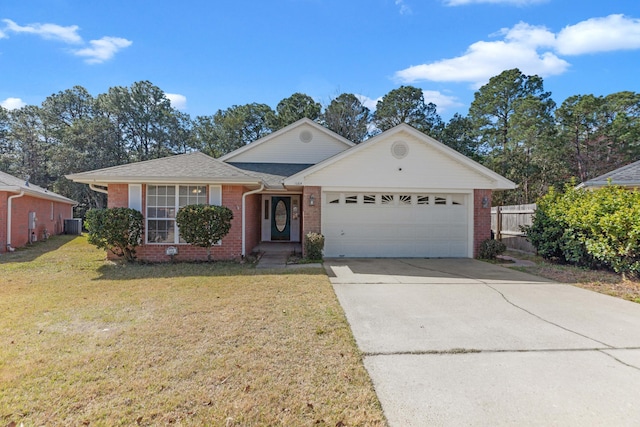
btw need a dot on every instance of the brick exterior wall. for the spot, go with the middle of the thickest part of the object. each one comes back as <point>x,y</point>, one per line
<point>119,196</point>
<point>231,247</point>
<point>481,219</point>
<point>311,215</point>
<point>21,206</point>
<point>253,222</point>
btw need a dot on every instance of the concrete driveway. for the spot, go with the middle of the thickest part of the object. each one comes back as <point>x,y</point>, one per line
<point>463,342</point>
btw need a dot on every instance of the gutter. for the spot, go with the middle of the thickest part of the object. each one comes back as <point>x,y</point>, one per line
<point>244,197</point>
<point>9,200</point>
<point>98,189</point>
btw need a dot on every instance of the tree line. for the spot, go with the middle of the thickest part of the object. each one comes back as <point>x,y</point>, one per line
<point>513,126</point>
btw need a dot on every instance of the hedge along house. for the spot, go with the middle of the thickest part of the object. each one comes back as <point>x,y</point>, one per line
<point>399,194</point>
<point>29,213</point>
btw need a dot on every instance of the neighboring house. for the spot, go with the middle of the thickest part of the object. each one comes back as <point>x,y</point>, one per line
<point>29,212</point>
<point>398,194</point>
<point>627,176</point>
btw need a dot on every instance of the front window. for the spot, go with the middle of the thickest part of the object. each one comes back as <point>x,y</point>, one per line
<point>163,202</point>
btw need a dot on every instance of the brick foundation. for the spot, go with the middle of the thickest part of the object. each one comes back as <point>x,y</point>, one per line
<point>231,247</point>
<point>311,215</point>
<point>481,219</point>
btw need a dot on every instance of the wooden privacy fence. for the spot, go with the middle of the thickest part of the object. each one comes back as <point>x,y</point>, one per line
<point>506,223</point>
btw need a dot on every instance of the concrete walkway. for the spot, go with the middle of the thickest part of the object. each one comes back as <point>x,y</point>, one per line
<point>463,342</point>
<point>274,255</point>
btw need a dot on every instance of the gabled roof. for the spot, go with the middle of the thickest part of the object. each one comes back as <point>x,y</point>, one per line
<point>265,140</point>
<point>271,173</point>
<point>499,182</point>
<point>183,168</point>
<point>626,176</point>
<point>16,185</point>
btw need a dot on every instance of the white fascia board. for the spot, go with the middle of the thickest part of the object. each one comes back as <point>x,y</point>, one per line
<point>282,131</point>
<point>500,182</point>
<point>39,195</point>
<point>160,180</point>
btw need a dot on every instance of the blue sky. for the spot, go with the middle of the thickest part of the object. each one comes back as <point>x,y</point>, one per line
<point>210,55</point>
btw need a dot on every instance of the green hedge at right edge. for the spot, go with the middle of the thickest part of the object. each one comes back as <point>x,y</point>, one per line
<point>591,228</point>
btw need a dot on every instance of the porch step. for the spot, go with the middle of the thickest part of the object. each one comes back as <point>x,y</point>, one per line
<point>273,260</point>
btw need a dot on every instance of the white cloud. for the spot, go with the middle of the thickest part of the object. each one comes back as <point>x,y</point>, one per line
<point>46,31</point>
<point>99,50</point>
<point>532,49</point>
<point>370,103</point>
<point>178,101</point>
<point>13,103</point>
<point>404,8</point>
<point>103,49</point>
<point>512,2</point>
<point>613,32</point>
<point>442,101</point>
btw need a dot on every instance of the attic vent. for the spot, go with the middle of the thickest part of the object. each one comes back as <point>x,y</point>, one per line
<point>306,136</point>
<point>399,149</point>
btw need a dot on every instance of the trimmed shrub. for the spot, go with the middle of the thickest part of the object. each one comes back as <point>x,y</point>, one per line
<point>204,225</point>
<point>599,228</point>
<point>313,246</point>
<point>490,249</point>
<point>118,230</point>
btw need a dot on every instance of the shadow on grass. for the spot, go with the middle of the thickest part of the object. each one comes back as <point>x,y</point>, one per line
<point>121,270</point>
<point>34,251</point>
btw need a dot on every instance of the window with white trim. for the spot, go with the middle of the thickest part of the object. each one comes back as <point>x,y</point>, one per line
<point>163,202</point>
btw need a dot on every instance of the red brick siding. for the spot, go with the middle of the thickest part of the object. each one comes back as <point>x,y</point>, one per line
<point>21,206</point>
<point>311,215</point>
<point>481,219</point>
<point>3,221</point>
<point>118,196</point>
<point>253,224</point>
<point>231,247</point>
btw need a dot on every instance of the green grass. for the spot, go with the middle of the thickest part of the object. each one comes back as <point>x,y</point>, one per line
<point>86,341</point>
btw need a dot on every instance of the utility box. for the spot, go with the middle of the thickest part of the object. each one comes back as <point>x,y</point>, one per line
<point>73,226</point>
<point>33,221</point>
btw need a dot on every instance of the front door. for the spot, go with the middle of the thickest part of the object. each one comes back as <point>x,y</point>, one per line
<point>280,218</point>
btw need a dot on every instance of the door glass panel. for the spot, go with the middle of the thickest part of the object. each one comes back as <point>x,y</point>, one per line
<point>281,216</point>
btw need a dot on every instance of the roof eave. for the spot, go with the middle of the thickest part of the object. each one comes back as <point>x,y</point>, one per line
<point>101,180</point>
<point>40,195</point>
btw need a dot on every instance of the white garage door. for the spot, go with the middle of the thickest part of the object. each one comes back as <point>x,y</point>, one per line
<point>395,225</point>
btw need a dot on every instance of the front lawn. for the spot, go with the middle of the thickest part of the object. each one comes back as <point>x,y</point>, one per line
<point>89,342</point>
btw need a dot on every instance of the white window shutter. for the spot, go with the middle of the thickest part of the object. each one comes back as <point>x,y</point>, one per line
<point>215,195</point>
<point>135,197</point>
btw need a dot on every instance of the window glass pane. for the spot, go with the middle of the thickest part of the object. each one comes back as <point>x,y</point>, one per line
<point>457,199</point>
<point>351,198</point>
<point>160,231</point>
<point>386,199</point>
<point>404,199</point>
<point>369,199</point>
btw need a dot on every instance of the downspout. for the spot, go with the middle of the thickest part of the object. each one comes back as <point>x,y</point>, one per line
<point>9,200</point>
<point>244,197</point>
<point>98,189</point>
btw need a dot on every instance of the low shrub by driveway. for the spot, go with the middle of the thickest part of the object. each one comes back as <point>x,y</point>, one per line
<point>89,342</point>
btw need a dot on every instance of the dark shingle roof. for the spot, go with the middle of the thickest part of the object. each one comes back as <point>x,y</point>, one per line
<point>627,176</point>
<point>271,173</point>
<point>195,167</point>
<point>11,183</point>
